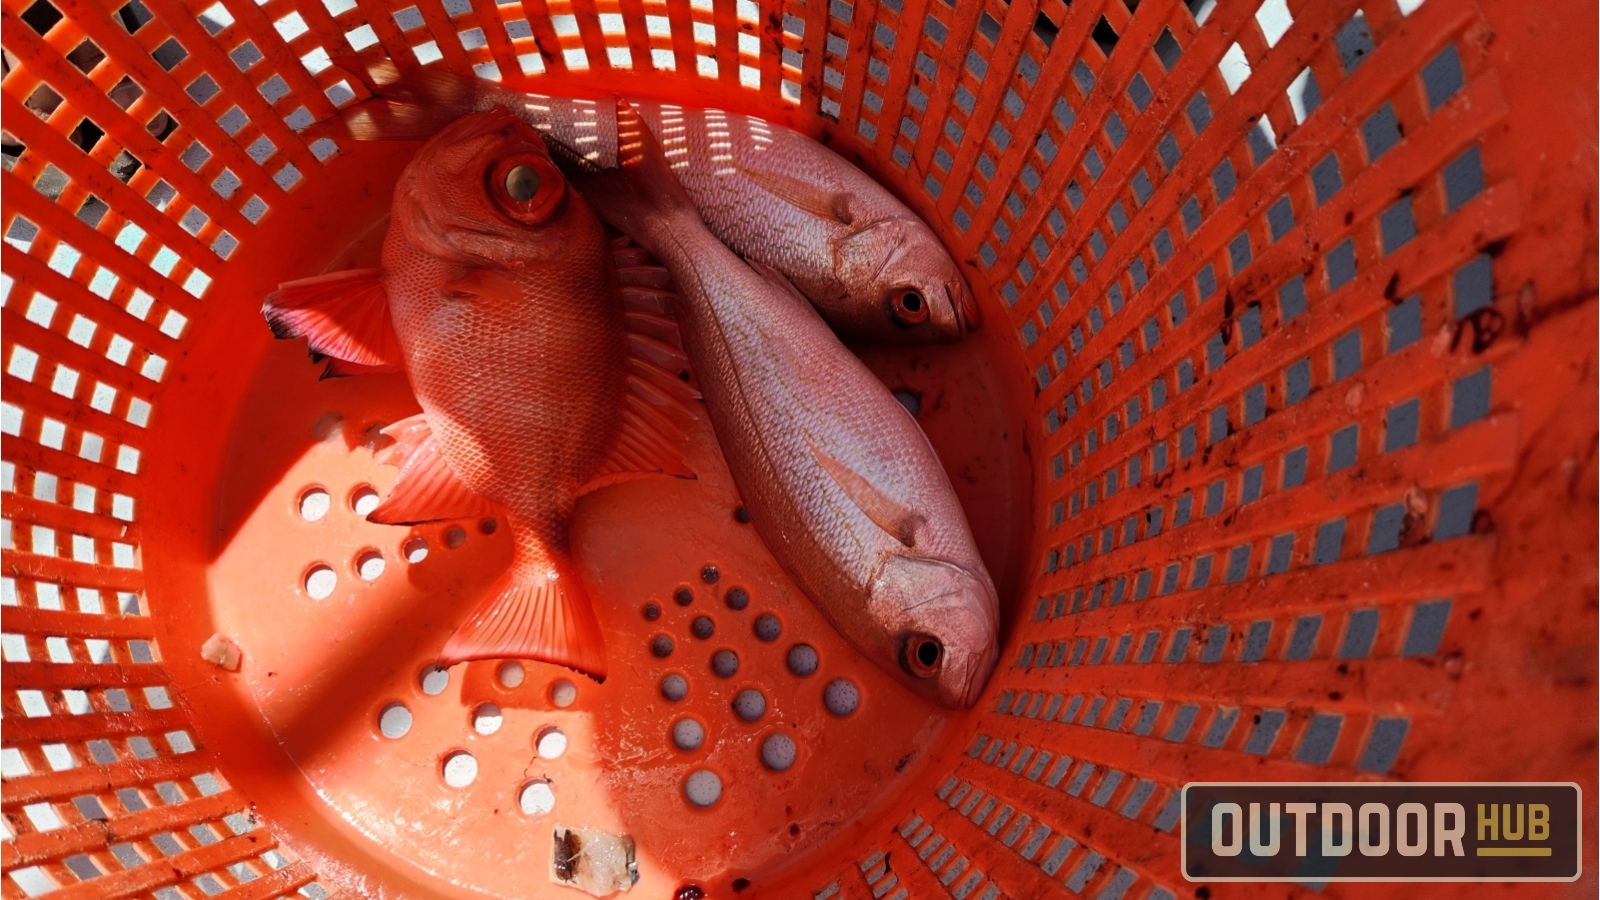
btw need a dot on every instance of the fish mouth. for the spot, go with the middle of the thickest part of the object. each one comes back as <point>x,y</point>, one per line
<point>968,316</point>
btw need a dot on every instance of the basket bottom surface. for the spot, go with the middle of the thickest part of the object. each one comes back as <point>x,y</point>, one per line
<point>458,778</point>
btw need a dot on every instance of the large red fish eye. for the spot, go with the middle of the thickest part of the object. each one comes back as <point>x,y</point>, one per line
<point>527,187</point>
<point>907,306</point>
<point>923,655</point>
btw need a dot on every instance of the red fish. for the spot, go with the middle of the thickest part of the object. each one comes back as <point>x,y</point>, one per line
<point>499,298</point>
<point>871,267</point>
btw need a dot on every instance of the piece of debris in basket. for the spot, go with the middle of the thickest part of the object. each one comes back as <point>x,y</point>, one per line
<point>593,861</point>
<point>221,651</point>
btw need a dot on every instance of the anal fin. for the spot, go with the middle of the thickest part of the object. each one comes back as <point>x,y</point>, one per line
<point>886,512</point>
<point>426,490</point>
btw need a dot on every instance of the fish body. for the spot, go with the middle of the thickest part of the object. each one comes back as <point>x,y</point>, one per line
<point>839,480</point>
<point>499,298</point>
<point>870,266</point>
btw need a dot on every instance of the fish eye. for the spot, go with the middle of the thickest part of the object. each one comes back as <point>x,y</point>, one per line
<point>907,306</point>
<point>923,655</point>
<point>522,183</point>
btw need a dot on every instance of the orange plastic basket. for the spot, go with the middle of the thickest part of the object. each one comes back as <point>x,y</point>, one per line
<point>1279,439</point>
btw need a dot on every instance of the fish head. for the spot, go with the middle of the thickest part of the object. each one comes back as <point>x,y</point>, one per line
<point>904,283</point>
<point>484,192</point>
<point>940,626</point>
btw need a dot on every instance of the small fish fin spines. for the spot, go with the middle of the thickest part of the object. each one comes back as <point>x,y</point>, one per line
<point>887,513</point>
<point>343,315</point>
<point>538,613</point>
<point>425,490</point>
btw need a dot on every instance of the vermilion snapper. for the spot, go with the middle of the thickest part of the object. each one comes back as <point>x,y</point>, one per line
<point>872,268</point>
<point>499,298</point>
<point>839,480</point>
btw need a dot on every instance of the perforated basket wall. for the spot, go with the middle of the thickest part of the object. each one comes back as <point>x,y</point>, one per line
<point>1297,299</point>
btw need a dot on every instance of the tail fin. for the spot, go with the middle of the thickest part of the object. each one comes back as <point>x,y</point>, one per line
<point>405,106</point>
<point>539,612</point>
<point>642,189</point>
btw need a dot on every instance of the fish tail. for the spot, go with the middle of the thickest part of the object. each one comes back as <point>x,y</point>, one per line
<point>642,192</point>
<point>405,106</point>
<point>537,610</point>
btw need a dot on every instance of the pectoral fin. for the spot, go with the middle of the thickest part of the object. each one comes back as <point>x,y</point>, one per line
<point>344,315</point>
<point>812,198</point>
<point>886,512</point>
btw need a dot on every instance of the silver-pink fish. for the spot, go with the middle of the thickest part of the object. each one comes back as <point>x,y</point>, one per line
<point>870,266</point>
<point>840,481</point>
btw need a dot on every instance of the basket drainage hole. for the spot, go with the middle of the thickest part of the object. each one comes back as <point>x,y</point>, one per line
<point>767,627</point>
<point>551,743</point>
<point>778,752</point>
<point>394,721</point>
<point>369,565</point>
<point>434,680</point>
<point>563,693</point>
<point>703,787</point>
<point>688,735</point>
<point>487,718</point>
<point>802,660</point>
<point>460,769</point>
<point>314,504</point>
<point>750,704</point>
<point>364,500</point>
<point>725,663</point>
<point>674,687</point>
<point>320,581</point>
<point>841,697</point>
<point>455,536</point>
<point>416,550</point>
<point>537,798</point>
<point>510,674</point>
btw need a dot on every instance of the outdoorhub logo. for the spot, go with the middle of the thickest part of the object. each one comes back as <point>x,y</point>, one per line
<point>1364,831</point>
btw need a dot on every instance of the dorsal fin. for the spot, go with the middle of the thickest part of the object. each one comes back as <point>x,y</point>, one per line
<point>425,490</point>
<point>344,315</point>
<point>658,405</point>
<point>814,199</point>
<point>885,511</point>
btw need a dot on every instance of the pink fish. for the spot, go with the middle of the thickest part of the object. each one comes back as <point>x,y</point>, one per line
<point>840,482</point>
<point>872,268</point>
<point>499,298</point>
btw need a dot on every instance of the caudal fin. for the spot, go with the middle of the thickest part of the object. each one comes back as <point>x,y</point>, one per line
<point>533,612</point>
<point>405,106</point>
<point>642,191</point>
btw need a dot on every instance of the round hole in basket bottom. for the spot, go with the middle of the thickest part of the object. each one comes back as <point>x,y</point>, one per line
<point>551,743</point>
<point>510,674</point>
<point>369,565</point>
<point>487,718</point>
<point>314,504</point>
<point>434,680</point>
<point>702,788</point>
<point>415,550</point>
<point>455,536</point>
<point>563,693</point>
<point>460,769</point>
<point>320,581</point>
<point>394,721</point>
<point>363,500</point>
<point>536,798</point>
